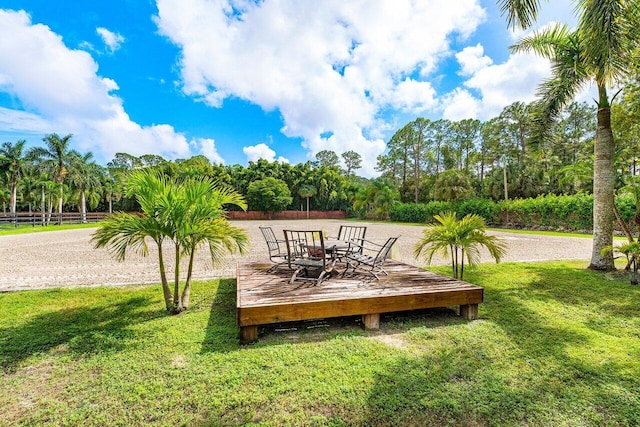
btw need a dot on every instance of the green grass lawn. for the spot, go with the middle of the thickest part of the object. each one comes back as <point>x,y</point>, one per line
<point>555,345</point>
<point>27,228</point>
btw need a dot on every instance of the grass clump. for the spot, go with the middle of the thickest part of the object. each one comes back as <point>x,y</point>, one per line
<point>555,345</point>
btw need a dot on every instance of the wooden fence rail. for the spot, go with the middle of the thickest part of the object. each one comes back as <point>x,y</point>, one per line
<point>38,218</point>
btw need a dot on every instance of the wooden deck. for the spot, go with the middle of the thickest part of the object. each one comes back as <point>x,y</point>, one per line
<point>264,297</point>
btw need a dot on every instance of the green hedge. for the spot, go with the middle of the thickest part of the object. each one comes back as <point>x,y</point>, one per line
<point>573,212</point>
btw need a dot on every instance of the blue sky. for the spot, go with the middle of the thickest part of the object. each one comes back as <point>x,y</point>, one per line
<point>240,80</point>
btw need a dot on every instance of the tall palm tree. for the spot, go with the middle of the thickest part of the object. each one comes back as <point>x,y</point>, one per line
<point>190,214</point>
<point>598,50</point>
<point>458,239</point>
<point>13,161</point>
<point>84,175</point>
<point>55,158</point>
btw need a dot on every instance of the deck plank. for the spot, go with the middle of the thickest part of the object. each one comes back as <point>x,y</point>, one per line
<point>265,297</point>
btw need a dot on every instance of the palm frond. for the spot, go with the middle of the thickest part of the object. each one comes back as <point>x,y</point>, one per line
<point>520,13</point>
<point>603,29</point>
<point>545,42</point>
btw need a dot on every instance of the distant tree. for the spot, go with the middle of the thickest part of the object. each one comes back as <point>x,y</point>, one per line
<point>85,177</point>
<point>269,195</point>
<point>307,191</point>
<point>151,160</point>
<point>13,162</point>
<point>327,158</point>
<point>453,185</point>
<point>125,162</point>
<point>55,159</point>
<point>374,200</point>
<point>352,161</point>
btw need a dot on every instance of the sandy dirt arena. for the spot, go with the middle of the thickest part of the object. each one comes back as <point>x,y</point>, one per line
<point>67,258</point>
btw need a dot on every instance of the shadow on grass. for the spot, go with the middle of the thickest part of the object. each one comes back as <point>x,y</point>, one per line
<point>84,330</point>
<point>222,329</point>
<point>549,377</point>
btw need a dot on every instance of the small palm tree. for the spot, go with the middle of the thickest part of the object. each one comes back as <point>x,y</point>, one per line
<point>631,251</point>
<point>458,238</point>
<point>188,213</point>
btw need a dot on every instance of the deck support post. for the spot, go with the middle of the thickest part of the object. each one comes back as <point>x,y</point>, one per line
<point>469,311</point>
<point>248,334</point>
<point>371,321</point>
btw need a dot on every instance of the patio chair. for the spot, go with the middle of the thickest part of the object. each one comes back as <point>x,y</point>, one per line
<point>306,253</point>
<point>277,248</point>
<point>370,259</point>
<point>352,234</point>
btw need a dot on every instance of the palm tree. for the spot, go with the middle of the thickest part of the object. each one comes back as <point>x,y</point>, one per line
<point>459,239</point>
<point>199,218</point>
<point>84,175</point>
<point>306,191</point>
<point>599,50</point>
<point>55,158</point>
<point>189,213</point>
<point>375,200</point>
<point>13,162</point>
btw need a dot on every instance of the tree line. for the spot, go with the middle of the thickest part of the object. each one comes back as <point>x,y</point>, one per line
<point>426,160</point>
<point>56,178</point>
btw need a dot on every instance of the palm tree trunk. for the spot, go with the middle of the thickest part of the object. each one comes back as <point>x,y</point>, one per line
<point>42,203</point>
<point>186,292</point>
<point>83,207</point>
<point>603,190</point>
<point>14,197</point>
<point>60,205</point>
<point>504,180</point>
<point>168,298</point>
<point>454,253</point>
<point>177,303</point>
<point>50,213</point>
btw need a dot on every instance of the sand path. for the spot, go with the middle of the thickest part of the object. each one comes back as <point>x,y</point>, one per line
<point>66,258</point>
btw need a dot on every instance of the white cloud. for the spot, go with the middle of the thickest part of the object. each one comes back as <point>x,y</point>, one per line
<point>14,120</point>
<point>460,105</point>
<point>208,149</point>
<point>491,87</point>
<point>514,80</point>
<point>261,151</point>
<point>328,67</point>
<point>414,96</point>
<point>62,92</point>
<point>111,40</point>
<point>472,59</point>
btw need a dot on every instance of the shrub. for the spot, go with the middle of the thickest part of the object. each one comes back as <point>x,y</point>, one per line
<point>408,212</point>
<point>487,209</point>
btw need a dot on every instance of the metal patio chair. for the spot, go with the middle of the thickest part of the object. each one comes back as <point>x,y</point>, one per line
<point>277,248</point>
<point>352,234</point>
<point>306,254</point>
<point>370,259</point>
